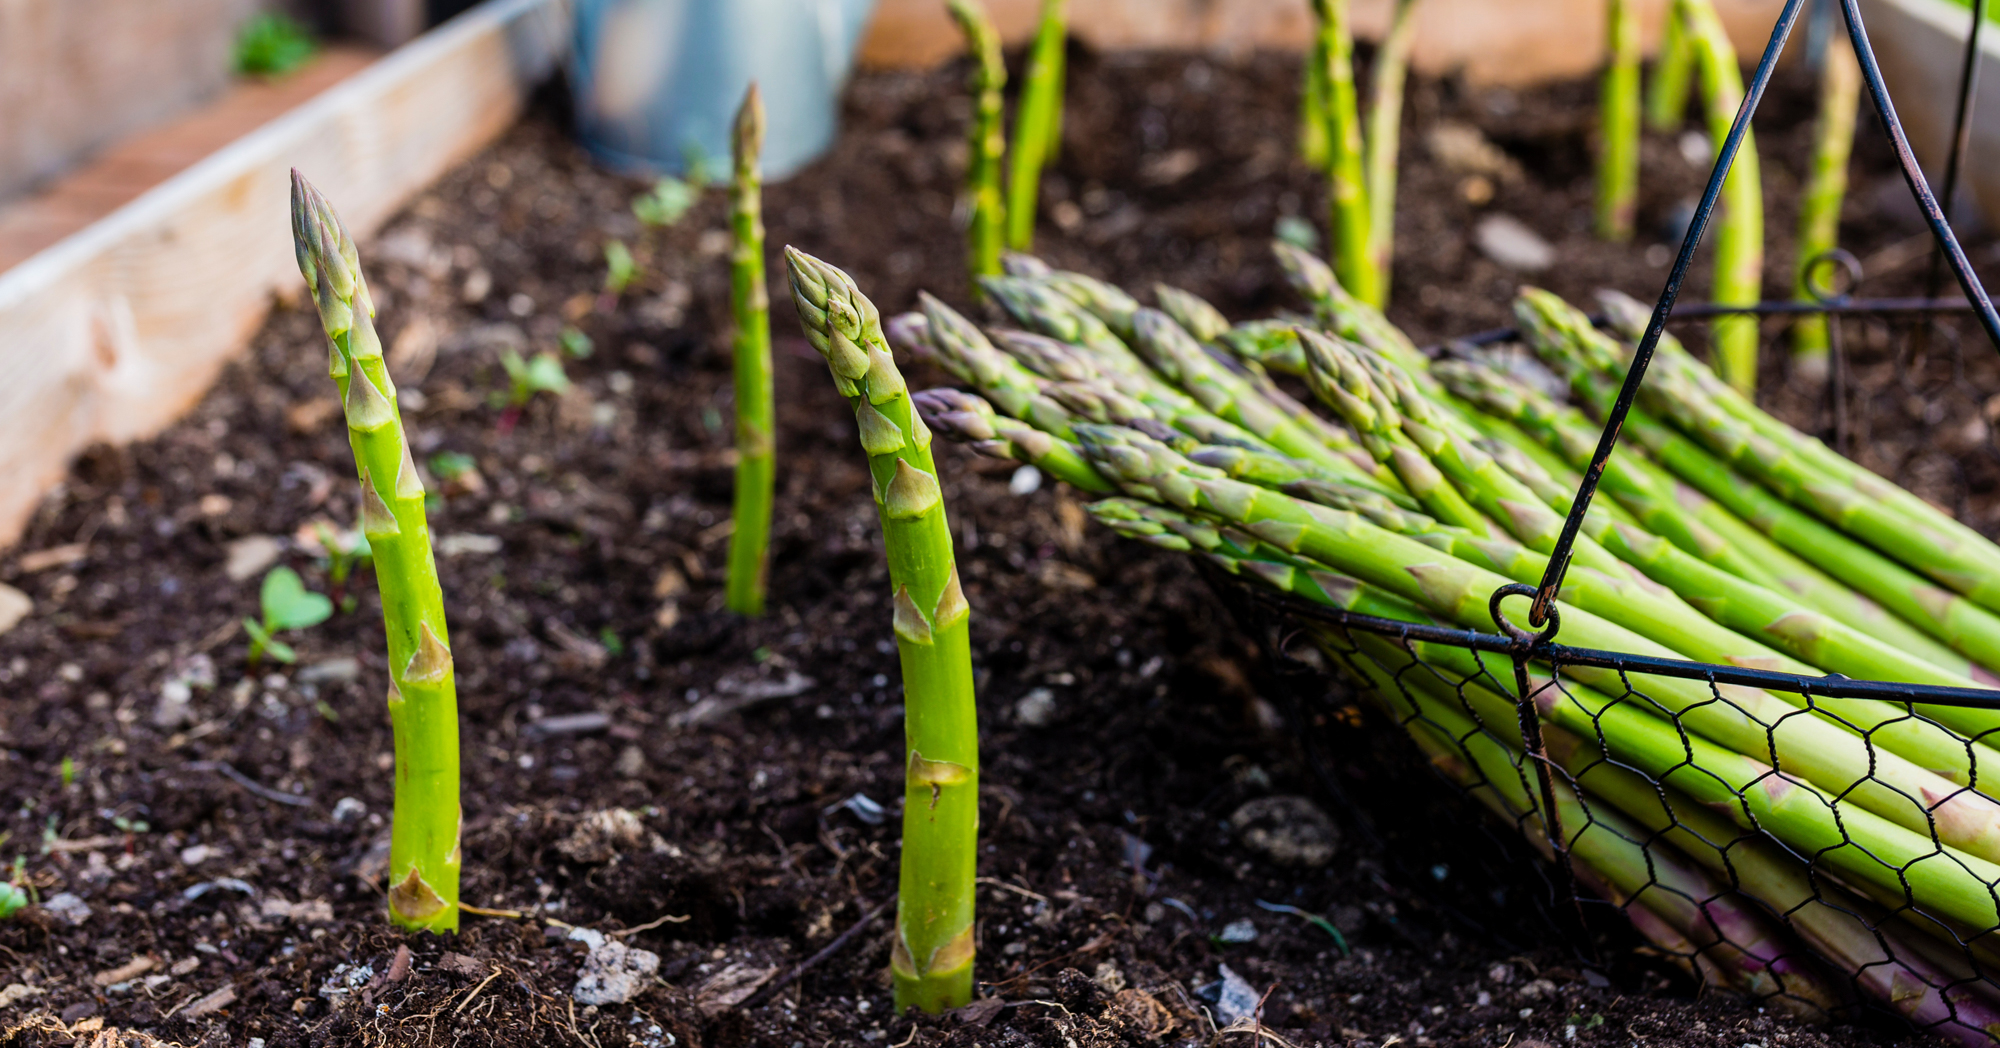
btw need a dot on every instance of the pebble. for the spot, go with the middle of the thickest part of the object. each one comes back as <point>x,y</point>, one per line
<point>1286,830</point>
<point>568,724</point>
<point>67,906</point>
<point>613,973</point>
<point>462,545</point>
<point>250,555</point>
<point>1505,240</point>
<point>631,763</point>
<point>1244,930</point>
<point>14,606</point>
<point>602,835</point>
<point>1036,709</point>
<point>1026,481</point>
<point>340,670</point>
<point>348,810</point>
<point>1238,999</point>
<point>196,854</point>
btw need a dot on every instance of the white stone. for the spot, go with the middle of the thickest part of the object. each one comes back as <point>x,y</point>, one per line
<point>250,555</point>
<point>14,606</point>
<point>1505,240</point>
<point>613,973</point>
<point>69,907</point>
<point>1036,709</point>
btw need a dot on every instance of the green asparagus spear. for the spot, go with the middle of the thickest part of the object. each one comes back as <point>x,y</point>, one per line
<point>1618,126</point>
<point>1673,75</point>
<point>985,206</point>
<point>1349,190</point>
<point>968,419</point>
<point>1037,123</point>
<point>931,958</point>
<point>1739,235</point>
<point>1384,139</point>
<point>1826,188</point>
<point>423,704</point>
<point>1313,144</point>
<point>756,445</point>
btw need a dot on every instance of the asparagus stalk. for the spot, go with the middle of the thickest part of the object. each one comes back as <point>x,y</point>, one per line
<point>986,208</point>
<point>968,419</point>
<point>756,444</point>
<point>1384,139</point>
<point>931,959</point>
<point>1739,236</point>
<point>1037,123</point>
<point>1314,145</point>
<point>1618,126</point>
<point>1345,314</point>
<point>1352,257</point>
<point>1191,311</point>
<point>1826,187</point>
<point>423,701</point>
<point>1673,75</point>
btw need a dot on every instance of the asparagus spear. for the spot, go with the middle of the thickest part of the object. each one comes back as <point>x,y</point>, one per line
<point>1673,76</point>
<point>968,419</point>
<point>423,701</point>
<point>1349,190</point>
<point>1739,237</point>
<point>931,958</point>
<point>1385,132</point>
<point>1618,126</point>
<point>986,207</point>
<point>1344,314</point>
<point>756,446</point>
<point>1313,143</point>
<point>1037,123</point>
<point>1826,187</point>
<point>1191,311</point>
<point>1207,324</point>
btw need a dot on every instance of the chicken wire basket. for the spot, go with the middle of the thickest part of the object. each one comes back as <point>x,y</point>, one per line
<point>1769,832</point>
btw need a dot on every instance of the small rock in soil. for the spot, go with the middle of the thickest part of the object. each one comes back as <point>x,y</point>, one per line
<point>1238,999</point>
<point>1286,830</point>
<point>631,763</point>
<point>348,810</point>
<point>68,907</point>
<point>1026,481</point>
<point>1037,709</point>
<point>1244,930</point>
<point>601,835</point>
<point>613,973</point>
<point>196,854</point>
<point>250,555</point>
<point>16,993</point>
<point>1506,241</point>
<point>215,1001</point>
<point>730,987</point>
<point>340,670</point>
<point>14,606</point>
<point>568,724</point>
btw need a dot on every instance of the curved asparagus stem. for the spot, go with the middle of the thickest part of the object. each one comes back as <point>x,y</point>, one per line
<point>987,208</point>
<point>931,962</point>
<point>1618,126</point>
<point>756,445</point>
<point>1037,123</point>
<point>967,419</point>
<point>1385,133</point>
<point>1346,181</point>
<point>423,698</point>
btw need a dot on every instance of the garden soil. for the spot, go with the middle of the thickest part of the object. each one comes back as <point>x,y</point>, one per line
<point>722,794</point>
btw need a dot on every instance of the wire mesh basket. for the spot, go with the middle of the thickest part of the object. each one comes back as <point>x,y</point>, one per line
<point>1825,845</point>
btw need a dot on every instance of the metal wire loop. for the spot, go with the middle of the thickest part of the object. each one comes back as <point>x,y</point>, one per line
<point>1523,638</point>
<point>1841,262</point>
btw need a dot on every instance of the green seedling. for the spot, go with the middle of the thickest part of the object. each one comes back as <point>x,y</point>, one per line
<point>68,772</point>
<point>287,605</point>
<point>449,466</point>
<point>575,344</point>
<point>666,203</point>
<point>620,268</point>
<point>525,378</point>
<point>271,44</point>
<point>12,900</point>
<point>345,551</point>
<point>130,826</point>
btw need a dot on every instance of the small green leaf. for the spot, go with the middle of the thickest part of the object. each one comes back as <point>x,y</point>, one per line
<point>1297,232</point>
<point>68,771</point>
<point>611,641</point>
<point>619,267</point>
<point>575,343</point>
<point>271,44</point>
<point>279,651</point>
<point>451,465</point>
<point>545,374</point>
<point>668,201</point>
<point>12,900</point>
<point>289,605</point>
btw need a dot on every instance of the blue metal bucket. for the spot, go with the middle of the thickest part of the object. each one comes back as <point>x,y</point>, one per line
<point>657,82</point>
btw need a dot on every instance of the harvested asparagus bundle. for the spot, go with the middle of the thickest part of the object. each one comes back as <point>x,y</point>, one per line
<point>423,696</point>
<point>931,960</point>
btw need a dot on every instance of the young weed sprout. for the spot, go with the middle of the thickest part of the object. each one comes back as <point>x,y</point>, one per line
<point>423,702</point>
<point>931,959</point>
<point>285,604</point>
<point>525,378</point>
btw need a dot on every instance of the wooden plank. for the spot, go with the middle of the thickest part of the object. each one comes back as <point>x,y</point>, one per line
<point>113,332</point>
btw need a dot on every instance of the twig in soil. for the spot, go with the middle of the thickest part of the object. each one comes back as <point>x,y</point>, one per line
<point>665,918</point>
<point>484,912</point>
<point>475,990</point>
<point>826,951</point>
<point>995,882</point>
<point>229,772</point>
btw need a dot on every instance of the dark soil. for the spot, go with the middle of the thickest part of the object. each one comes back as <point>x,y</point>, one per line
<point>1127,716</point>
